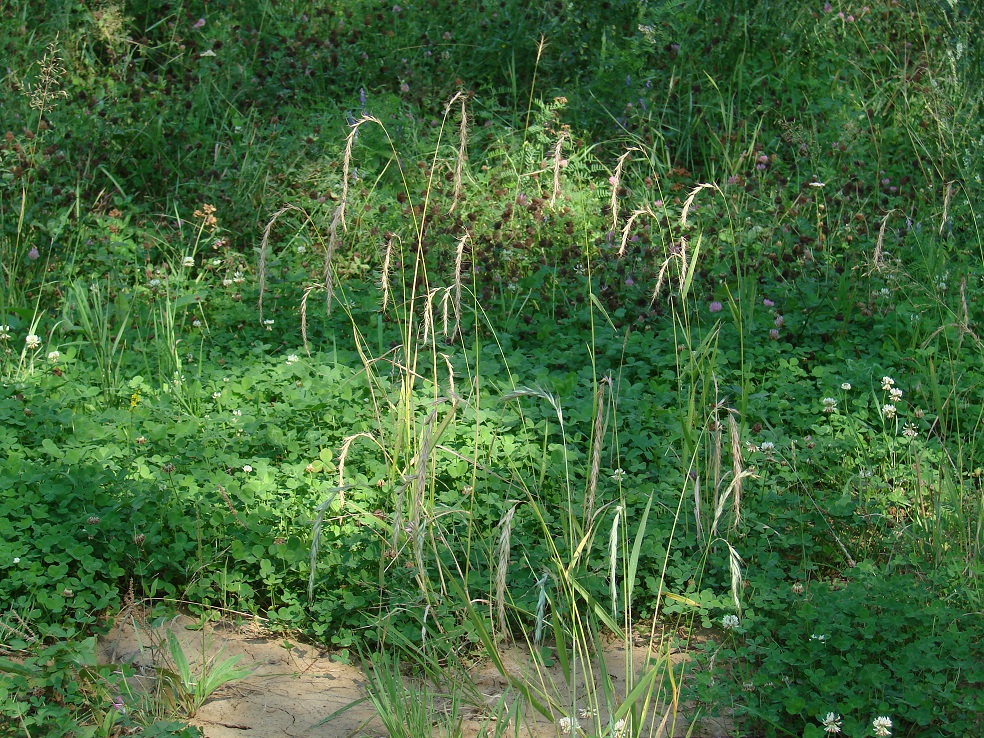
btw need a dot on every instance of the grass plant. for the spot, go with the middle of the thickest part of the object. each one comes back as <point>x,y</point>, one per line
<point>630,332</point>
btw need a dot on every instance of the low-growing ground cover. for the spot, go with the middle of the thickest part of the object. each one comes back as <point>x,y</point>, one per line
<point>449,346</point>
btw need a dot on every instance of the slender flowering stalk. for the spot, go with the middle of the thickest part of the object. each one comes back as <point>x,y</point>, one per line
<point>558,163</point>
<point>616,180</point>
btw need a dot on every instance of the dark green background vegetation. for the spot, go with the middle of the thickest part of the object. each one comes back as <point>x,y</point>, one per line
<point>186,448</point>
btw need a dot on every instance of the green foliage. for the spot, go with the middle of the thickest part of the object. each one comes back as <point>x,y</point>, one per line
<point>189,689</point>
<point>61,690</point>
<point>875,643</point>
<point>610,344</point>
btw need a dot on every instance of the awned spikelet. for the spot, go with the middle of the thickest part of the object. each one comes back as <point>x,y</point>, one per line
<point>501,569</point>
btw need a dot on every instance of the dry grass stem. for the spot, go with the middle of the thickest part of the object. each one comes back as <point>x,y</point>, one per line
<point>264,249</point>
<point>659,279</point>
<point>616,182</point>
<point>343,455</point>
<point>228,502</point>
<point>542,394</point>
<point>447,363</point>
<point>645,210</point>
<point>947,194</point>
<point>459,165</point>
<point>723,501</point>
<point>459,257</point>
<point>558,163</point>
<point>429,314</point>
<point>596,445</point>
<point>330,253</point>
<point>387,260</point>
<point>43,93</point>
<point>716,456</point>
<point>876,257</point>
<point>688,203</point>
<point>502,568</point>
<point>347,162</point>
<point>613,556</point>
<point>445,300</point>
<point>680,255</point>
<point>697,504</point>
<point>304,300</point>
<point>26,634</point>
<point>737,463</point>
<point>734,562</point>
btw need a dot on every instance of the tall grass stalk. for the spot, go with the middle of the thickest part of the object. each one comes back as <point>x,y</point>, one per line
<point>103,324</point>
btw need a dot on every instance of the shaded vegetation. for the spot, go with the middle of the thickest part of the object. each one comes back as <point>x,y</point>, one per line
<point>351,316</point>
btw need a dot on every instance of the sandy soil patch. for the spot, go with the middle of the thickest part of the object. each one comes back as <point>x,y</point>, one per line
<point>293,686</point>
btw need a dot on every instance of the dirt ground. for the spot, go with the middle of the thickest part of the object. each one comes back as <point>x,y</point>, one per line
<point>294,686</point>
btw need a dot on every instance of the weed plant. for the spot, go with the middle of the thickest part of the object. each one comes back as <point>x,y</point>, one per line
<point>685,341</point>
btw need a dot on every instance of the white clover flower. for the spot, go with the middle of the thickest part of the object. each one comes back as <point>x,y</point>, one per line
<point>292,359</point>
<point>896,394</point>
<point>846,386</point>
<point>17,559</point>
<point>832,723</point>
<point>155,282</point>
<point>227,283</point>
<point>4,332</point>
<point>618,475</point>
<point>818,184</point>
<point>54,356</point>
<point>216,262</point>
<point>882,726</point>
<point>216,395</point>
<point>268,324</point>
<point>188,261</point>
<point>730,622</point>
<point>237,413</point>
<point>767,447</point>
<point>888,411</point>
<point>819,637</point>
<point>909,431</point>
<point>301,249</point>
<point>829,404</point>
<point>887,383</point>
<point>237,277</point>
<point>33,342</point>
<point>618,729</point>
<point>247,468</point>
<point>586,712</point>
<point>568,725</point>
